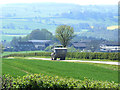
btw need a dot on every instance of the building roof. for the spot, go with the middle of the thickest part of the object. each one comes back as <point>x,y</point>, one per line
<point>79,45</point>
<point>111,43</point>
<point>85,41</point>
<point>25,43</point>
<point>61,48</point>
<point>40,41</point>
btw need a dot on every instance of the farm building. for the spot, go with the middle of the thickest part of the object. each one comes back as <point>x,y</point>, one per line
<point>32,45</point>
<point>110,48</point>
<point>79,45</point>
<point>25,46</point>
<point>40,44</point>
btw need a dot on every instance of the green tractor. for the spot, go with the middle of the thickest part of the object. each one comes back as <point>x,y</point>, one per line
<point>59,52</point>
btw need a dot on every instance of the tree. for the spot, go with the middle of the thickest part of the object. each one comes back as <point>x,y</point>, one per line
<point>64,34</point>
<point>14,41</point>
<point>35,34</point>
<point>49,48</point>
<point>46,34</point>
<point>42,34</point>
<point>72,49</point>
<point>1,48</point>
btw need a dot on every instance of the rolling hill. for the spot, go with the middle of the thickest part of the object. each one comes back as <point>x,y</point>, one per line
<point>87,20</point>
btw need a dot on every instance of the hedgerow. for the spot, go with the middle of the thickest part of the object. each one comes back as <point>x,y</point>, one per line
<point>94,55</point>
<point>72,55</point>
<point>40,81</point>
<point>29,54</point>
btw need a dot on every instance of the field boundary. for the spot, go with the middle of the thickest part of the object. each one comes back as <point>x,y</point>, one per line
<point>102,62</point>
<point>73,55</point>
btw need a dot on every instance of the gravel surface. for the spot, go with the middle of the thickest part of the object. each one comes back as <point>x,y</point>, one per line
<point>102,62</point>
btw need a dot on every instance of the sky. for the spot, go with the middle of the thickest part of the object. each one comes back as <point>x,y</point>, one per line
<point>80,2</point>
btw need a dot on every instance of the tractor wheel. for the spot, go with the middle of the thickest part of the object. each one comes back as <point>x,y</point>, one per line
<point>54,58</point>
<point>63,58</point>
<point>51,58</point>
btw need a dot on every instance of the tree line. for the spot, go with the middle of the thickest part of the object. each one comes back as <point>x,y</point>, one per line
<point>36,34</point>
<point>63,33</point>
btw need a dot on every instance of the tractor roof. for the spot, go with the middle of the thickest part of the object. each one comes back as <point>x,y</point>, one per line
<point>60,48</point>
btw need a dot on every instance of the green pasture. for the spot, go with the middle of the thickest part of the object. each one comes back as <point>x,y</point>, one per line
<point>20,67</point>
<point>19,25</point>
<point>9,38</point>
<point>8,53</point>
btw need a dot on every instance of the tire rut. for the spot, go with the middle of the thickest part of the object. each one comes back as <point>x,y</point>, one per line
<point>18,68</point>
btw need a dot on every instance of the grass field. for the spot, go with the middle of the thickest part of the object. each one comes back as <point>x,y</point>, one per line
<point>8,53</point>
<point>22,67</point>
<point>10,37</point>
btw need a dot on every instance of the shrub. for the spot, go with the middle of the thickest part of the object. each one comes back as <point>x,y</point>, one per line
<point>40,81</point>
<point>77,55</point>
<point>93,55</point>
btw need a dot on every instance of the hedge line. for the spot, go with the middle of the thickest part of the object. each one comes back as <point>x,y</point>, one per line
<point>47,54</point>
<point>93,55</point>
<point>77,55</point>
<point>40,81</point>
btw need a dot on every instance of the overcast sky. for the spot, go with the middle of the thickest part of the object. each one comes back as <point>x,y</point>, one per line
<point>80,2</point>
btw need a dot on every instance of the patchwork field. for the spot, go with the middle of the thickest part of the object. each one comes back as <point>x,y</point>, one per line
<point>21,67</point>
<point>113,27</point>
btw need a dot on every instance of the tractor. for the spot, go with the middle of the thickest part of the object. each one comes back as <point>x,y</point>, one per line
<point>59,52</point>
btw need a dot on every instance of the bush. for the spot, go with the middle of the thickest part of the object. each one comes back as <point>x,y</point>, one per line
<point>40,81</point>
<point>29,54</point>
<point>76,55</point>
<point>93,55</point>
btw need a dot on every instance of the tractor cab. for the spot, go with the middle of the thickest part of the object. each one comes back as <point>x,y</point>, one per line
<point>59,52</point>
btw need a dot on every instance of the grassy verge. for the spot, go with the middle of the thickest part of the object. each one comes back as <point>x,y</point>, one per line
<point>8,53</point>
<point>21,67</point>
<point>93,59</point>
<point>78,59</point>
<point>73,58</point>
